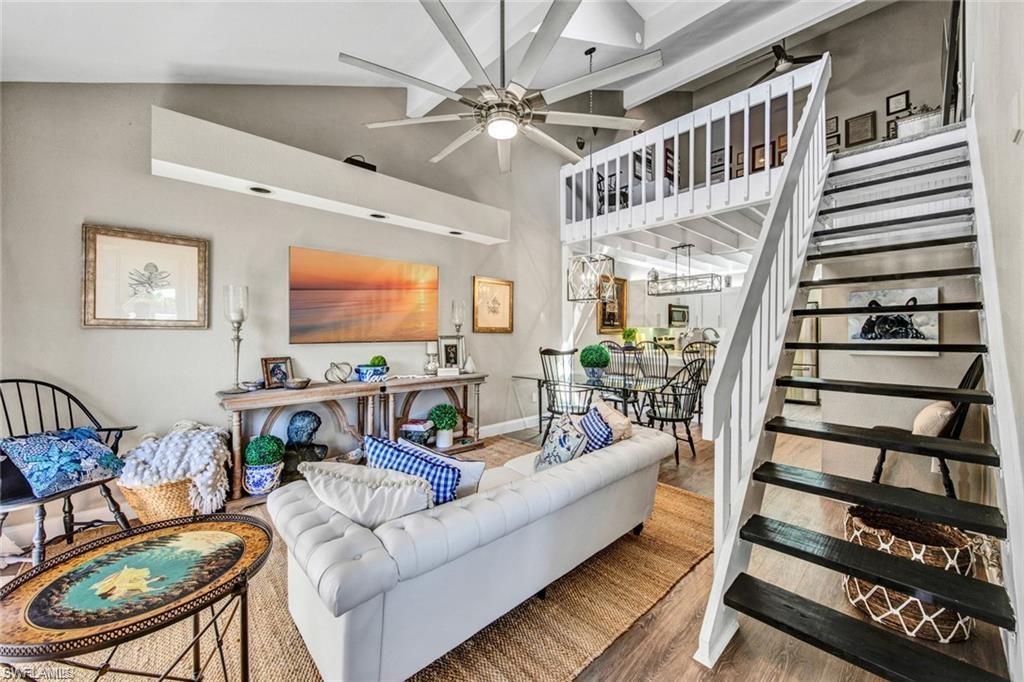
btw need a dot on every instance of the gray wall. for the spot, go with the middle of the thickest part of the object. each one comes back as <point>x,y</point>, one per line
<point>80,153</point>
<point>890,50</point>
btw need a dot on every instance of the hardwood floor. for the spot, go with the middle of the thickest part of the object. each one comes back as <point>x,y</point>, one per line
<point>660,646</point>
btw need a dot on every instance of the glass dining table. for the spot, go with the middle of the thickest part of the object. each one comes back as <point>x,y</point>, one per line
<point>609,383</point>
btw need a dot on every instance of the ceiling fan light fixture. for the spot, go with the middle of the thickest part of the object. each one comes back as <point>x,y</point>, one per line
<point>502,125</point>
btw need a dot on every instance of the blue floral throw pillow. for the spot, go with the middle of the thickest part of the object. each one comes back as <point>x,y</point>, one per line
<point>60,460</point>
<point>565,441</point>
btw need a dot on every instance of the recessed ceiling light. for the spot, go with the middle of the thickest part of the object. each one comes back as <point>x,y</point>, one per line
<point>259,190</point>
<point>378,216</point>
<point>455,232</point>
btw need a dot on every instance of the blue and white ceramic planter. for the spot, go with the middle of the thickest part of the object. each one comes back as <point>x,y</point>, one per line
<point>260,479</point>
<point>371,372</point>
<point>594,372</point>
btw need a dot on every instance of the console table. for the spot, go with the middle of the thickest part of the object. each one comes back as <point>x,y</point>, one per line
<point>409,388</point>
<point>278,399</point>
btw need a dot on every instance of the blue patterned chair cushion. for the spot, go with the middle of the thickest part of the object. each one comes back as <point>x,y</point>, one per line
<point>443,477</point>
<point>56,461</point>
<point>565,441</point>
<point>599,434</point>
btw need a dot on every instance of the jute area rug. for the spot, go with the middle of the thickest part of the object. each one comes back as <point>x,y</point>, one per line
<point>542,639</point>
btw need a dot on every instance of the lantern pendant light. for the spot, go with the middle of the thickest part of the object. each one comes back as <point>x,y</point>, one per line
<point>707,283</point>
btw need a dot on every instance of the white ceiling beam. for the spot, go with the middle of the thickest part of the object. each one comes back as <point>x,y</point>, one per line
<point>703,247</point>
<point>613,23</point>
<point>733,46</point>
<point>643,244</point>
<point>739,223</point>
<point>696,233</point>
<point>445,69</point>
<point>676,17</point>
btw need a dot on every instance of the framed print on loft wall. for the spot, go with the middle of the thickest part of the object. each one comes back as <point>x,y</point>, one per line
<point>493,301</point>
<point>137,279</point>
<point>898,103</point>
<point>861,129</point>
<point>611,315</point>
<point>832,125</point>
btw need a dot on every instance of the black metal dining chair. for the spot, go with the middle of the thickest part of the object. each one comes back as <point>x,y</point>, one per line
<point>675,403</point>
<point>564,395</point>
<point>653,361</point>
<point>624,364</point>
<point>32,406</point>
<point>701,350</point>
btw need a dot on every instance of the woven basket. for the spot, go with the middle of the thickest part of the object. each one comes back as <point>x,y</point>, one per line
<point>159,502</point>
<point>927,543</point>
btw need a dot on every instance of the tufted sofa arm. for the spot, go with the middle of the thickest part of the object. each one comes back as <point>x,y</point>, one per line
<point>423,541</point>
<point>345,562</point>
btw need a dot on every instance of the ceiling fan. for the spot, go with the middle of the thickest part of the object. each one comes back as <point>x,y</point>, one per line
<point>783,62</point>
<point>506,108</point>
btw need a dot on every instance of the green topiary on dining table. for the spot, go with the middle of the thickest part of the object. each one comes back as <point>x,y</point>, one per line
<point>595,355</point>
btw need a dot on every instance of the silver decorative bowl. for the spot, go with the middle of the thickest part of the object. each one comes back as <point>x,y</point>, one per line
<point>296,383</point>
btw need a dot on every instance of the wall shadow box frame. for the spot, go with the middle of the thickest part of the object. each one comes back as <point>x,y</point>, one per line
<point>493,305</point>
<point>138,279</point>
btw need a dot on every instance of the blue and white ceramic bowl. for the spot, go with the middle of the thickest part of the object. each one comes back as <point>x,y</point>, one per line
<point>594,372</point>
<point>371,372</point>
<point>260,479</point>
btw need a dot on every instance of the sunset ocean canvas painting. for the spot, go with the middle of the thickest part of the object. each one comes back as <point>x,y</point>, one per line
<point>342,297</point>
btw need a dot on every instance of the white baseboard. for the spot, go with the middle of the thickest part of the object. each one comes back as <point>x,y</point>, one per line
<point>508,426</point>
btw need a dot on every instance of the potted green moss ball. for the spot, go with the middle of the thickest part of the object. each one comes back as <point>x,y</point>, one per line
<point>445,417</point>
<point>594,359</point>
<point>264,458</point>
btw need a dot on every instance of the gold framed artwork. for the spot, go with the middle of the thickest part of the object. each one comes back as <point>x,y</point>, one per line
<point>611,315</point>
<point>493,303</point>
<point>276,371</point>
<point>137,279</point>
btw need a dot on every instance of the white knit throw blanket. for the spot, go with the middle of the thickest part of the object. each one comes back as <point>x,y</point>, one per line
<point>190,450</point>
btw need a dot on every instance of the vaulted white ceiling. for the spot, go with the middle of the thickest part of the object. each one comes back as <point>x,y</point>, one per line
<point>296,43</point>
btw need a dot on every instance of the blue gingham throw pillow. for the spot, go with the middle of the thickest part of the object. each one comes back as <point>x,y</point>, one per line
<point>443,478</point>
<point>599,434</point>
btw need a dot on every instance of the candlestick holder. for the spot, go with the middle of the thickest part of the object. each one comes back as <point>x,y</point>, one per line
<point>236,310</point>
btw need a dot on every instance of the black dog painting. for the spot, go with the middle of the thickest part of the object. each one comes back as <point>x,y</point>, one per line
<point>903,324</point>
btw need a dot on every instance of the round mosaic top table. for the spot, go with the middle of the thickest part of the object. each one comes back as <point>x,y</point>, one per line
<point>126,585</point>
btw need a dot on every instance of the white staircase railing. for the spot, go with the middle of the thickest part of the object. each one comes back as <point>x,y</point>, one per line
<point>742,387</point>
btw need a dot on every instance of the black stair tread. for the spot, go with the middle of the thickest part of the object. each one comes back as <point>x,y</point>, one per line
<point>954,395</point>
<point>890,277</point>
<point>930,584</point>
<point>898,159</point>
<point>879,347</point>
<point>897,198</point>
<point>883,310</point>
<point>894,222</point>
<point>888,248</point>
<point>916,173</point>
<point>904,501</point>
<point>911,443</point>
<point>851,639</point>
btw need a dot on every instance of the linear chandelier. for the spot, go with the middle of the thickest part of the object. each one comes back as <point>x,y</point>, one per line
<point>707,283</point>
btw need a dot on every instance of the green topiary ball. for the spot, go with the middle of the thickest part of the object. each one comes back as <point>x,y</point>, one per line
<point>264,450</point>
<point>378,361</point>
<point>595,356</point>
<point>444,416</point>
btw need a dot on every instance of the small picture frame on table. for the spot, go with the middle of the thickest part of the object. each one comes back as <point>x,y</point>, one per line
<point>832,125</point>
<point>451,351</point>
<point>898,103</point>
<point>276,371</point>
<point>861,129</point>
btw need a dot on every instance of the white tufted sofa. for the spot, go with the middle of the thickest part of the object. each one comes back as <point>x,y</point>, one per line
<point>381,605</point>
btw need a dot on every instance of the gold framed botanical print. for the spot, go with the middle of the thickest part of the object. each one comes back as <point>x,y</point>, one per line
<point>611,315</point>
<point>136,279</point>
<point>493,302</point>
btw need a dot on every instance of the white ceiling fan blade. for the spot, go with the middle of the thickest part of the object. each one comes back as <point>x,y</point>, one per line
<point>538,136</point>
<point>439,118</point>
<point>504,156</point>
<point>450,30</point>
<point>565,118</point>
<point>606,76</point>
<point>543,42</point>
<point>456,143</point>
<point>403,77</point>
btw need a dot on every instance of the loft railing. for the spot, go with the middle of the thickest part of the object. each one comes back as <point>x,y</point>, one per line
<point>661,175</point>
<point>741,392</point>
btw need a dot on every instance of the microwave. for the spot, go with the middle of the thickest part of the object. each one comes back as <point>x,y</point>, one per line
<point>678,315</point>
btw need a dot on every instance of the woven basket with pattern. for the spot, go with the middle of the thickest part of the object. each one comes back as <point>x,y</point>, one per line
<point>159,502</point>
<point>933,544</point>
